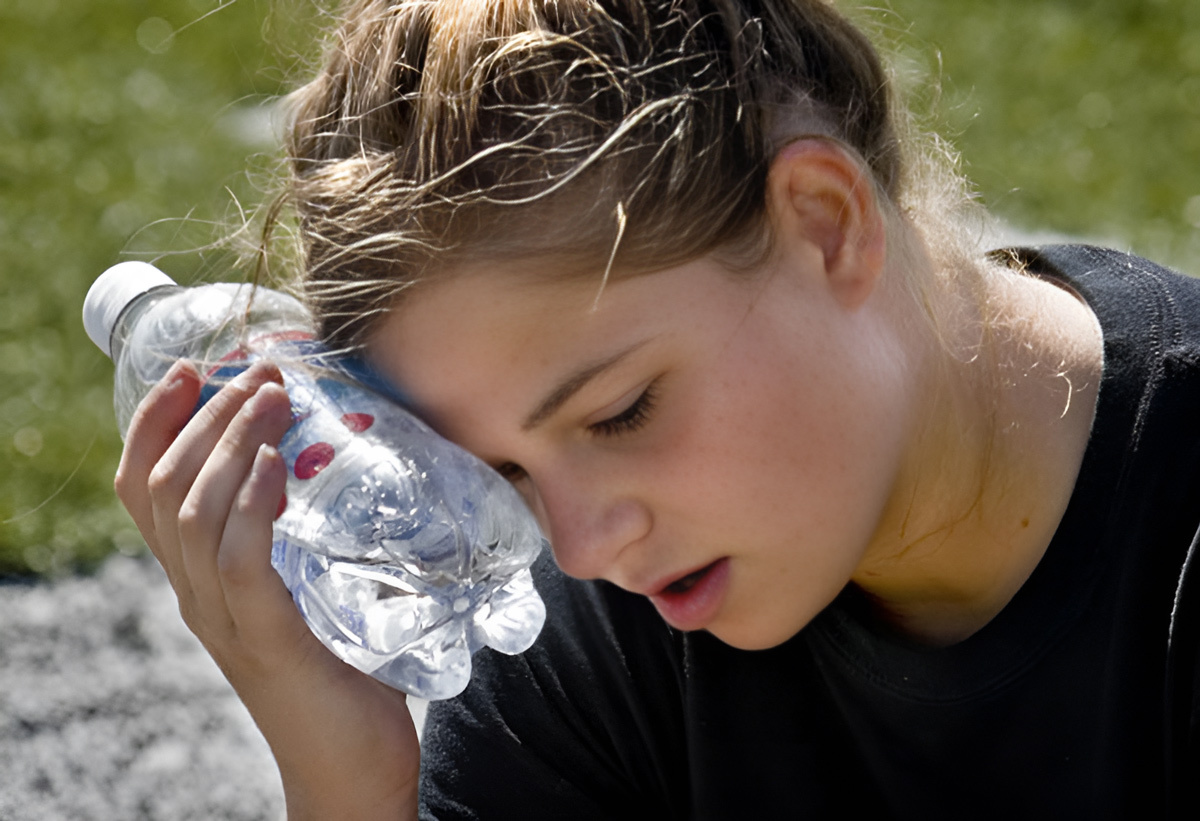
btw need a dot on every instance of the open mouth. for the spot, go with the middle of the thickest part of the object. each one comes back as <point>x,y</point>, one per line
<point>691,602</point>
<point>686,583</point>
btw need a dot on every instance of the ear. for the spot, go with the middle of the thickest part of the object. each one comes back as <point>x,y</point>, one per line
<point>819,194</point>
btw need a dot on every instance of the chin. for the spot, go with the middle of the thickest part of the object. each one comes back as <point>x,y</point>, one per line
<point>752,637</point>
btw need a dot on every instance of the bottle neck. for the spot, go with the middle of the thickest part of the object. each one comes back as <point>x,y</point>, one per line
<point>128,318</point>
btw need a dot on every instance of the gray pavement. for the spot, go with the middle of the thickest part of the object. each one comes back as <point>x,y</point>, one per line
<point>111,710</point>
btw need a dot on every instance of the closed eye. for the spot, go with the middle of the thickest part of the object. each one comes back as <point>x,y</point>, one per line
<point>511,471</point>
<point>630,419</point>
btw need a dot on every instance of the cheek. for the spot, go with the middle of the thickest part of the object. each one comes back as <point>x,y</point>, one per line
<point>788,449</point>
<point>726,456</point>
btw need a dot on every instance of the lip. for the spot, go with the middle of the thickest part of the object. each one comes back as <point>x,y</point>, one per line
<point>695,607</point>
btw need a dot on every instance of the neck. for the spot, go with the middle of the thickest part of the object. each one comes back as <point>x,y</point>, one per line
<point>1004,423</point>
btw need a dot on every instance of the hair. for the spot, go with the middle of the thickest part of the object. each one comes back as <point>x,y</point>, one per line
<point>595,135</point>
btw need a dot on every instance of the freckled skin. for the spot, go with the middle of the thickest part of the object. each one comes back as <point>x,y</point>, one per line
<point>806,425</point>
<point>778,425</point>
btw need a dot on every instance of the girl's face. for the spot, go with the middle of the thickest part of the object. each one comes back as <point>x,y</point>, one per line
<point>724,445</point>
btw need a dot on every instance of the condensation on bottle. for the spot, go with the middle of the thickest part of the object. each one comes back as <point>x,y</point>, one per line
<point>404,553</point>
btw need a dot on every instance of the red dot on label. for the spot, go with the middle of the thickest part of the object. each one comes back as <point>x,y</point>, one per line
<point>358,422</point>
<point>282,506</point>
<point>313,459</point>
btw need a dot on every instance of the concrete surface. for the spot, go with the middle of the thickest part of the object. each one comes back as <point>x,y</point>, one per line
<point>111,710</point>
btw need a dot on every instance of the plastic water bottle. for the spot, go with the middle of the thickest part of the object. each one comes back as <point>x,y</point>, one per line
<point>404,553</point>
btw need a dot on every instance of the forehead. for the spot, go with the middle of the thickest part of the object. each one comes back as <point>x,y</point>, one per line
<point>450,317</point>
<point>506,337</point>
<point>491,332</point>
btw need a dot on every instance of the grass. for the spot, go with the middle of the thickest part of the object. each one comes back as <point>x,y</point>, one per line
<point>126,129</point>
<point>1075,117</point>
<point>131,129</point>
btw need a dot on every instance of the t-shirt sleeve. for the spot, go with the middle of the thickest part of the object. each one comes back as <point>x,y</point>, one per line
<point>585,724</point>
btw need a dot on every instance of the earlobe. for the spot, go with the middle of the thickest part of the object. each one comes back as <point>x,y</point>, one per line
<point>823,196</point>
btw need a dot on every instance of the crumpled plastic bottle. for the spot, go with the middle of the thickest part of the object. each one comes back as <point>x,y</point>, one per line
<point>404,553</point>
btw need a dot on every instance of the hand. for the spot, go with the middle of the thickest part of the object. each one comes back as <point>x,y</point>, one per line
<point>204,493</point>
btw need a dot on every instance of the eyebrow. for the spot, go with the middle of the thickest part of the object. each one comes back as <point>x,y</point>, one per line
<point>574,383</point>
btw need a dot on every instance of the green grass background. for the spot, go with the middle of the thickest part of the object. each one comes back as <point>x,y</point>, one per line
<point>134,129</point>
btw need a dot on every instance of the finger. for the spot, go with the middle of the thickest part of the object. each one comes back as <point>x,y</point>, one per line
<point>155,424</point>
<point>204,515</point>
<point>258,601</point>
<point>172,476</point>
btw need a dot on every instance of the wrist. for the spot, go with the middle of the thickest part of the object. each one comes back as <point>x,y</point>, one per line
<point>350,803</point>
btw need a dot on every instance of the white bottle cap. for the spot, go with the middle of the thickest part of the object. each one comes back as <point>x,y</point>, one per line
<point>111,292</point>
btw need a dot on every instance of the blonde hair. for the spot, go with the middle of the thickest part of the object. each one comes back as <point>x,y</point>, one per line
<point>622,135</point>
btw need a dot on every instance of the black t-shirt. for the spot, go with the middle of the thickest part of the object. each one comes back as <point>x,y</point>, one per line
<point>1078,700</point>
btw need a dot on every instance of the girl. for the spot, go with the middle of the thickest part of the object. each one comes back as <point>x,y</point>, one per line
<point>845,514</point>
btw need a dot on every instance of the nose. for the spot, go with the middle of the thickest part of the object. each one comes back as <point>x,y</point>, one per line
<point>588,521</point>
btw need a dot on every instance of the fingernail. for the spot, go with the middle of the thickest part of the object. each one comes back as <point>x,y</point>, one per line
<point>262,460</point>
<point>174,375</point>
<point>268,369</point>
<point>261,389</point>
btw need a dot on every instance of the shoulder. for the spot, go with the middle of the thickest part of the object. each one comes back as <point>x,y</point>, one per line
<point>1123,289</point>
<point>1150,316</point>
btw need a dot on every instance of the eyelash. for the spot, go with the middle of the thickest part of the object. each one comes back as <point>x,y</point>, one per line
<point>511,471</point>
<point>629,420</point>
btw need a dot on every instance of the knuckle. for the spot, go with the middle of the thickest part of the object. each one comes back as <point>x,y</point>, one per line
<point>161,482</point>
<point>233,569</point>
<point>123,485</point>
<point>242,566</point>
<point>191,516</point>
